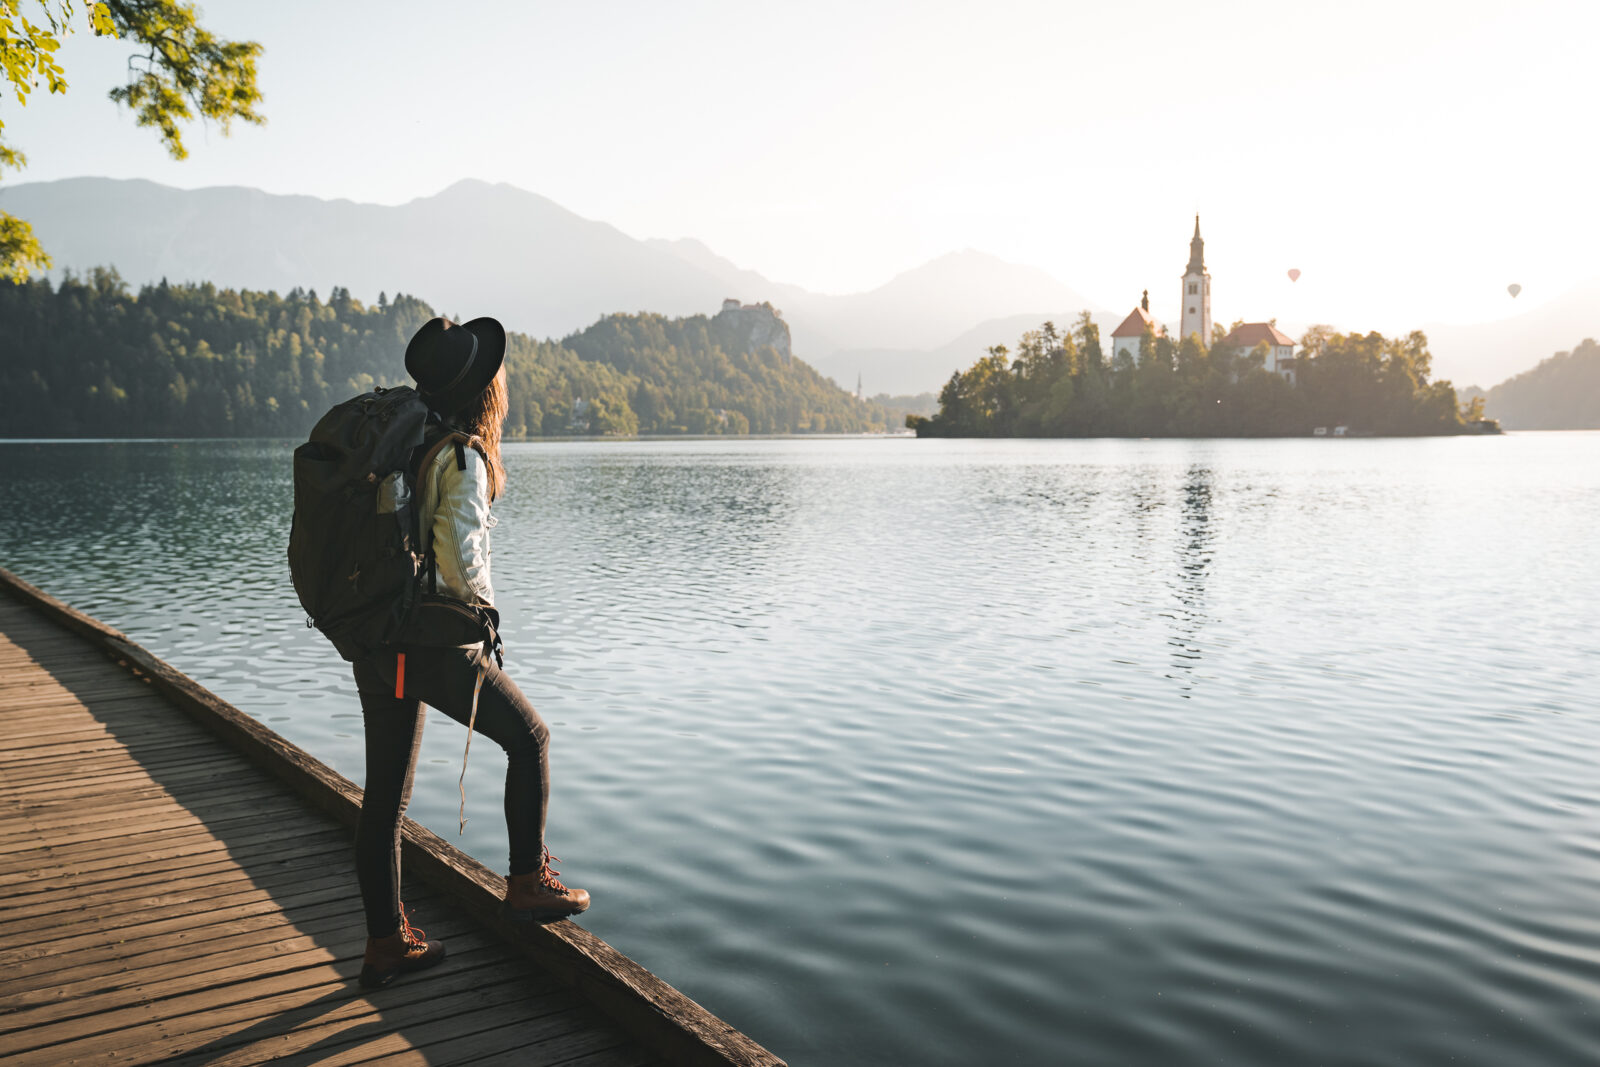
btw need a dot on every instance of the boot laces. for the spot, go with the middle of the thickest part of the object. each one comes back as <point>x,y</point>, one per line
<point>547,873</point>
<point>410,936</point>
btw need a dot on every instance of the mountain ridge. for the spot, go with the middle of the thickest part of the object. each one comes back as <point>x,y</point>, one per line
<point>478,246</point>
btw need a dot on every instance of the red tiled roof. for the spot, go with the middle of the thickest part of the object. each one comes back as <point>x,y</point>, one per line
<point>1253,333</point>
<point>1134,324</point>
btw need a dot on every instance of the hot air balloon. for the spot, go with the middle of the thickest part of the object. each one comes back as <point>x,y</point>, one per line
<point>1294,275</point>
<point>1513,289</point>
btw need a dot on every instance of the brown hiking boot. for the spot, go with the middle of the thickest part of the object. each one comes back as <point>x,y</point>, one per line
<point>539,897</point>
<point>407,949</point>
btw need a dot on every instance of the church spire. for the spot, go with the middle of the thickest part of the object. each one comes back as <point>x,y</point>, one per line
<point>1197,251</point>
<point>1196,317</point>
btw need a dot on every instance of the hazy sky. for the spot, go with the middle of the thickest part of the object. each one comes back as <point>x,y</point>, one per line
<point>1411,158</point>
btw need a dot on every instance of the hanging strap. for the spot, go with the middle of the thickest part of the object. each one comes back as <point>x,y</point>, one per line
<point>400,676</point>
<point>472,719</point>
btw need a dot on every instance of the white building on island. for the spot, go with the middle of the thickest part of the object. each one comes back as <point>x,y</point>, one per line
<point>1128,339</point>
<point>1280,346</point>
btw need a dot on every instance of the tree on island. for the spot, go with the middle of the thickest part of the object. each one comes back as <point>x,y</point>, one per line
<point>182,72</point>
<point>1060,385</point>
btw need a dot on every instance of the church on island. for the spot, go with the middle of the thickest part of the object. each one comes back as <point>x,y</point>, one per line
<point>1128,339</point>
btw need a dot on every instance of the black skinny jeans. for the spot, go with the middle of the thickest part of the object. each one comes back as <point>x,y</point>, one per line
<point>441,678</point>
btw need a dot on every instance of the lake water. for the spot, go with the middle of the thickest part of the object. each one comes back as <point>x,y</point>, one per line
<point>989,752</point>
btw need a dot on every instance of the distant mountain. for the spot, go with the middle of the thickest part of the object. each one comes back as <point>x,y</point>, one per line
<point>927,306</point>
<point>903,323</point>
<point>755,286</point>
<point>926,370</point>
<point>478,248</point>
<point>1493,351</point>
<point>907,335</point>
<point>1561,393</point>
<point>475,248</point>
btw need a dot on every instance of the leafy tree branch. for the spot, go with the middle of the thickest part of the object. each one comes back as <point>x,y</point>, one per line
<point>182,72</point>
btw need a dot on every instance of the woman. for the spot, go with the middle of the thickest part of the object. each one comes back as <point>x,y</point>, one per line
<point>459,374</point>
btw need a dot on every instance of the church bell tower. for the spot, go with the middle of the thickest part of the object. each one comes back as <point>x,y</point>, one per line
<point>1196,292</point>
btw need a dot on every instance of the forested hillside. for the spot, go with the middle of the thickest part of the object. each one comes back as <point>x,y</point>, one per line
<point>1062,385</point>
<point>91,358</point>
<point>701,375</point>
<point>1561,393</point>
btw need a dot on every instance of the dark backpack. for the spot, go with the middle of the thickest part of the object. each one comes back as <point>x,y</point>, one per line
<point>353,544</point>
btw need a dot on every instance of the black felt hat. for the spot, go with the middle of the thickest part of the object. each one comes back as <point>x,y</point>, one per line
<point>455,361</point>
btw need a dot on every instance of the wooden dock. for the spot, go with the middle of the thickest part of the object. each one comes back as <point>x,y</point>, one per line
<point>176,884</point>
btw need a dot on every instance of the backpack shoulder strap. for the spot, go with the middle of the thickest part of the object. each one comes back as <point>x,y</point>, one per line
<point>449,439</point>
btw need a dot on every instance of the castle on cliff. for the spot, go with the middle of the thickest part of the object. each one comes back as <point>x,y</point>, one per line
<point>757,325</point>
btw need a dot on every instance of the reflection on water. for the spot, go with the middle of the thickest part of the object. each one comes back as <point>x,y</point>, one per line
<point>1189,590</point>
<point>990,752</point>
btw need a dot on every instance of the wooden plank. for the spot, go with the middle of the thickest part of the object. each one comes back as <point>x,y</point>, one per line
<point>91,931</point>
<point>353,1029</point>
<point>473,1034</point>
<point>19,736</point>
<point>36,696</point>
<point>92,866</point>
<point>192,880</point>
<point>332,1010</point>
<point>352,1038</point>
<point>113,885</point>
<point>70,758</point>
<point>630,1055</point>
<point>627,1056</point>
<point>114,745</point>
<point>175,816</point>
<point>131,965</point>
<point>35,680</point>
<point>173,904</point>
<point>136,962</point>
<point>69,809</point>
<point>25,748</point>
<point>36,638</point>
<point>67,677</point>
<point>134,851</point>
<point>170,1027</point>
<point>167,820</point>
<point>110,780</point>
<point>122,707</point>
<point>143,711</point>
<point>204,936</point>
<point>169,981</point>
<point>38,646</point>
<point>28,778</point>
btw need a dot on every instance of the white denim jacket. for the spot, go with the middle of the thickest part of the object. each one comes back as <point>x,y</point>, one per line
<point>455,522</point>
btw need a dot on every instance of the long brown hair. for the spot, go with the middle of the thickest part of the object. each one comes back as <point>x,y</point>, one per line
<point>483,418</point>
